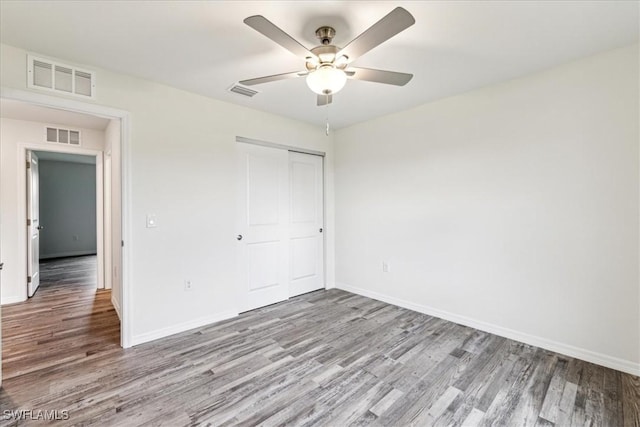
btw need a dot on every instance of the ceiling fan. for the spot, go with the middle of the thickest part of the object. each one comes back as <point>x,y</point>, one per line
<point>327,65</point>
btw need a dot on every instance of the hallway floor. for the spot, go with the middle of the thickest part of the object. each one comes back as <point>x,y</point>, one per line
<point>67,319</point>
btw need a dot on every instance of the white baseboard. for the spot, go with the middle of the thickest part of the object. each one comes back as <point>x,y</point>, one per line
<point>181,327</point>
<point>558,347</point>
<point>67,254</point>
<point>12,299</point>
<point>116,305</point>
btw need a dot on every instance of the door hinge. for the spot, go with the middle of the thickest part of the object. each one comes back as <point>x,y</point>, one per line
<point>122,243</point>
<point>28,165</point>
<point>28,279</point>
<point>28,223</point>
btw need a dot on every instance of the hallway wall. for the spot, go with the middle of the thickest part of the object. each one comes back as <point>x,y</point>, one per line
<point>13,133</point>
<point>113,228</point>
<point>67,209</point>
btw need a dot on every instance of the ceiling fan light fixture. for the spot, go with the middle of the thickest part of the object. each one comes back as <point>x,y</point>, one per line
<point>326,80</point>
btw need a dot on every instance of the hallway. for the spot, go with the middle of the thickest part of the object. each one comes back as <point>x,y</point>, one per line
<point>65,321</point>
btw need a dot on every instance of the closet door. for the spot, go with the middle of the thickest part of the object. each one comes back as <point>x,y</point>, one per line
<point>263,225</point>
<point>306,238</point>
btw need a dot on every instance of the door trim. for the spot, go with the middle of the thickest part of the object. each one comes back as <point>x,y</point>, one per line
<point>126,320</point>
<point>107,229</point>
<point>279,146</point>
<point>22,189</point>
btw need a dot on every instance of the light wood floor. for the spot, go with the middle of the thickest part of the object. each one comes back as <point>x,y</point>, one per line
<point>325,358</point>
<point>66,320</point>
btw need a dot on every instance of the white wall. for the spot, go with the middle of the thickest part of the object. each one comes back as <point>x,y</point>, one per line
<point>12,134</point>
<point>182,159</point>
<point>67,208</point>
<point>513,208</point>
<point>113,264</point>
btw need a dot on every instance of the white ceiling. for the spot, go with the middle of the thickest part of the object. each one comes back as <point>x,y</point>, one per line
<point>204,47</point>
<point>11,109</point>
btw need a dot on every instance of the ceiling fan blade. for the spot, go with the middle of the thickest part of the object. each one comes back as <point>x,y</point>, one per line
<point>273,78</point>
<point>395,22</point>
<point>324,100</point>
<point>380,76</point>
<point>269,29</point>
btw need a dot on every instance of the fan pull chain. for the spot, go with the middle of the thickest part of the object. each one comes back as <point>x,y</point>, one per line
<point>327,127</point>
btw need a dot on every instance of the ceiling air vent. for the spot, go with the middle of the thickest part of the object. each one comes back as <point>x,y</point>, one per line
<point>63,136</point>
<point>242,90</point>
<point>54,76</point>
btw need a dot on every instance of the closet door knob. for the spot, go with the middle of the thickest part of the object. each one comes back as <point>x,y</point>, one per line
<point>239,237</point>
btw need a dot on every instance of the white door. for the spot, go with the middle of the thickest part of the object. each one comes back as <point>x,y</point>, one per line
<point>263,216</point>
<point>306,238</point>
<point>33,224</point>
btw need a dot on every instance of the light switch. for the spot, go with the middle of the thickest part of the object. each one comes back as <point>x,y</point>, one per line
<point>152,222</point>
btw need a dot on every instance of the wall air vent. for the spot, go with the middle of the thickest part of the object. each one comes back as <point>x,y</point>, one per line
<point>242,90</point>
<point>54,76</point>
<point>63,136</point>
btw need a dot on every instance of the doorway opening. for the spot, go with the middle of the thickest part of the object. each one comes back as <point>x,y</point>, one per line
<point>64,262</point>
<point>62,241</point>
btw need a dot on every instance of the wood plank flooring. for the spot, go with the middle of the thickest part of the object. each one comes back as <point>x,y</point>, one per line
<point>327,358</point>
<point>66,320</point>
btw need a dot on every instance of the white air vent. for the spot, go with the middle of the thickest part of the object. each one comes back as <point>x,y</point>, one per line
<point>50,75</point>
<point>242,90</point>
<point>63,136</point>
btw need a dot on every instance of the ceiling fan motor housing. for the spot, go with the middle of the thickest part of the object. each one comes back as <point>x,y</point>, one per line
<point>325,54</point>
<point>325,34</point>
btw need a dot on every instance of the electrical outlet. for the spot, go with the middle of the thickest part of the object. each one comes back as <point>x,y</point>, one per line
<point>385,267</point>
<point>75,238</point>
<point>188,286</point>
